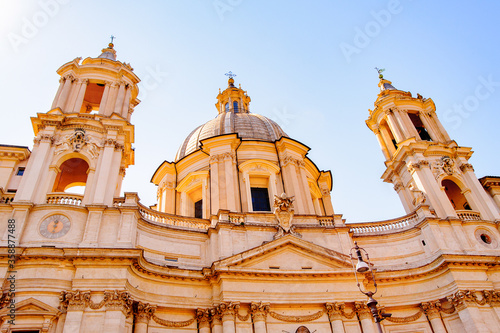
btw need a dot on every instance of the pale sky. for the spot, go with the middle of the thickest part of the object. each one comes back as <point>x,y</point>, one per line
<point>309,65</point>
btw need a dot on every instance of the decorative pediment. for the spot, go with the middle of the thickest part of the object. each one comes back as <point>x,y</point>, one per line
<point>287,253</point>
<point>31,306</point>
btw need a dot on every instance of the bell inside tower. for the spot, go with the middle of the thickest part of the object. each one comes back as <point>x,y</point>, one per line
<point>92,99</point>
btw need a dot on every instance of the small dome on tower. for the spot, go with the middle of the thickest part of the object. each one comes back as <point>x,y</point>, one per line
<point>108,53</point>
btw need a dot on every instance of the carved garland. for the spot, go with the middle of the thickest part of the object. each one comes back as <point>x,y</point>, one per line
<point>407,319</point>
<point>296,319</point>
<point>169,323</point>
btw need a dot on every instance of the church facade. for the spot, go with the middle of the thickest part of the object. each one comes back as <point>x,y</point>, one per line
<point>244,237</point>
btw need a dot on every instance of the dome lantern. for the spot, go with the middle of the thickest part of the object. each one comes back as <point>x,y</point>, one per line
<point>232,99</point>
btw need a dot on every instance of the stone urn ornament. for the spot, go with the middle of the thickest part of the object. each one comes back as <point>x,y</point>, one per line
<point>283,210</point>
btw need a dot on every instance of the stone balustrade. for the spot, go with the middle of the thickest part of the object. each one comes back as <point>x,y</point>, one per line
<point>168,219</point>
<point>468,215</point>
<point>64,199</point>
<point>385,227</point>
<point>6,198</point>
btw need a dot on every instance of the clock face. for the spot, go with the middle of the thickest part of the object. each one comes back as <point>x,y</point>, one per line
<point>55,226</point>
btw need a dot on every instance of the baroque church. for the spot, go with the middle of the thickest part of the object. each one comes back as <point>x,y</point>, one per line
<point>243,237</point>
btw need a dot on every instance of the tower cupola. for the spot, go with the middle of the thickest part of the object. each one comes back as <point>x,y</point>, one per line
<point>233,99</point>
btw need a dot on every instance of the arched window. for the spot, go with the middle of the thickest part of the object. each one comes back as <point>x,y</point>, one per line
<point>419,126</point>
<point>226,107</point>
<point>455,195</point>
<point>72,176</point>
<point>235,107</point>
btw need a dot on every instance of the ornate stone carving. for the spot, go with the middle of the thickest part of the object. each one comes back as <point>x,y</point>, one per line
<point>169,323</point>
<point>44,138</point>
<point>203,316</point>
<point>362,310</point>
<point>109,143</point>
<point>143,312</point>
<point>398,186</point>
<point>259,311</point>
<point>74,300</point>
<point>467,167</point>
<point>431,309</point>
<point>445,165</point>
<point>335,310</point>
<point>283,210</point>
<point>78,139</point>
<point>419,197</point>
<point>118,300</point>
<point>296,319</point>
<point>228,310</point>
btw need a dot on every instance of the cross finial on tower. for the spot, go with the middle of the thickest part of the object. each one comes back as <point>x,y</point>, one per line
<point>379,71</point>
<point>230,74</point>
<point>112,38</point>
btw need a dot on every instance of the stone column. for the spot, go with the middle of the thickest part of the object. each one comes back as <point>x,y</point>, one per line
<point>120,98</point>
<point>126,102</point>
<point>465,304</point>
<point>334,311</point>
<point>81,94</point>
<point>228,313</point>
<point>259,313</point>
<point>104,99</point>
<point>203,318</point>
<point>365,317</point>
<point>214,181</point>
<point>432,311</point>
<point>394,126</point>
<point>74,302</point>
<point>229,170</point>
<point>216,320</point>
<point>381,144</point>
<point>63,97</point>
<point>36,166</point>
<point>481,198</point>
<point>61,85</point>
<point>143,313</point>
<point>103,171</point>
<point>118,307</point>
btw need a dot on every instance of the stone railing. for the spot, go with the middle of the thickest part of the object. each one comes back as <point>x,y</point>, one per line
<point>168,219</point>
<point>468,215</point>
<point>237,218</point>
<point>64,199</point>
<point>385,227</point>
<point>7,198</point>
<point>326,221</point>
<point>118,202</point>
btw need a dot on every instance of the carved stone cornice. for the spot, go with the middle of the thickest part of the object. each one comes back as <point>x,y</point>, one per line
<point>259,311</point>
<point>143,312</point>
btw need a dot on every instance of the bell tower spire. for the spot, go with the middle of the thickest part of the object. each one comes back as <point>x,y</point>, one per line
<point>426,167</point>
<point>86,138</point>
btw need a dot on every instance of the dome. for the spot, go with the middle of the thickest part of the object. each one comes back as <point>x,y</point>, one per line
<point>248,126</point>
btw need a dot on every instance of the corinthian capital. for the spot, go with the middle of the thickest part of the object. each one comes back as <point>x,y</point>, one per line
<point>259,311</point>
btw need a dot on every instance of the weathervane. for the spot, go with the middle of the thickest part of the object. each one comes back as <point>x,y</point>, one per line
<point>112,37</point>
<point>230,74</point>
<point>379,71</point>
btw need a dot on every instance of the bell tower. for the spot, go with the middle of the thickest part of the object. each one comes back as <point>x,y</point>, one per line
<point>86,138</point>
<point>426,166</point>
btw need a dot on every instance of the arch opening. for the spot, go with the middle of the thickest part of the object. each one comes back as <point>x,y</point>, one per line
<point>72,176</point>
<point>455,195</point>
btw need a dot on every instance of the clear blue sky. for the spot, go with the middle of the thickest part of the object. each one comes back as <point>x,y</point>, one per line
<point>309,65</point>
